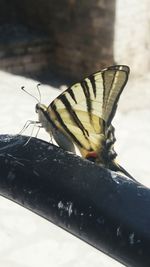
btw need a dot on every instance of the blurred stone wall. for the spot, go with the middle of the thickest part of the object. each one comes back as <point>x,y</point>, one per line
<point>72,38</point>
<point>23,51</point>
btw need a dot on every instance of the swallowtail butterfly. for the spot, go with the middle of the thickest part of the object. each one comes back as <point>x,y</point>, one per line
<point>82,115</point>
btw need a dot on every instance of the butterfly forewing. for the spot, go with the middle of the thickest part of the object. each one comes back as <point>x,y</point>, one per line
<point>85,110</point>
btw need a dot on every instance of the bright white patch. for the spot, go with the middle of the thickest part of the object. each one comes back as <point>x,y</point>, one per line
<point>131,238</point>
<point>114,176</point>
<point>119,231</point>
<point>66,207</point>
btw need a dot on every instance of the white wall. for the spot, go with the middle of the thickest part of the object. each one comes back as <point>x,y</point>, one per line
<point>132,34</point>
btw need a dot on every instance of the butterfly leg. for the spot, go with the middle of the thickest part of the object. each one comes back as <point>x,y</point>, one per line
<point>39,127</point>
<point>27,124</point>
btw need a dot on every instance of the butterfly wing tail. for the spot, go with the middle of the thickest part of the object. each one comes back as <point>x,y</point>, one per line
<point>119,168</point>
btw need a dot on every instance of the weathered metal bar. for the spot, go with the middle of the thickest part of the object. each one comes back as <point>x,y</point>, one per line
<point>108,211</point>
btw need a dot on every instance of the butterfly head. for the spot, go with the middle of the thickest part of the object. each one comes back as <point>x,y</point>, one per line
<point>40,108</point>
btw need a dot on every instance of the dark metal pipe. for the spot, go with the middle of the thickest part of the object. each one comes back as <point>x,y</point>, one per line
<point>108,211</point>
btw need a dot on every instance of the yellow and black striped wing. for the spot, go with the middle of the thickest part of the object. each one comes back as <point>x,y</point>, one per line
<point>85,110</point>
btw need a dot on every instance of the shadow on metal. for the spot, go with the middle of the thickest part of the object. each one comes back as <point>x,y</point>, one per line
<point>108,211</point>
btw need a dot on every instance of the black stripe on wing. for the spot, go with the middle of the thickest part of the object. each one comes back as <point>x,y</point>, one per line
<point>60,120</point>
<point>71,93</point>
<point>104,89</point>
<point>92,80</point>
<point>74,116</point>
<point>86,91</point>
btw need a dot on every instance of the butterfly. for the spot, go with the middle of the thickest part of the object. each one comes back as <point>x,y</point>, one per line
<point>82,116</point>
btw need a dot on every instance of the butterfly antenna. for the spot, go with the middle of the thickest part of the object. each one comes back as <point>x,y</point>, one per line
<point>38,85</point>
<point>23,89</point>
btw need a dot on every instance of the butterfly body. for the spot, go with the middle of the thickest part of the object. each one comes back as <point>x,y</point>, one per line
<point>81,116</point>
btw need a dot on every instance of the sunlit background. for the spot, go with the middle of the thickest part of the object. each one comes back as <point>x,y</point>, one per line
<point>56,43</point>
